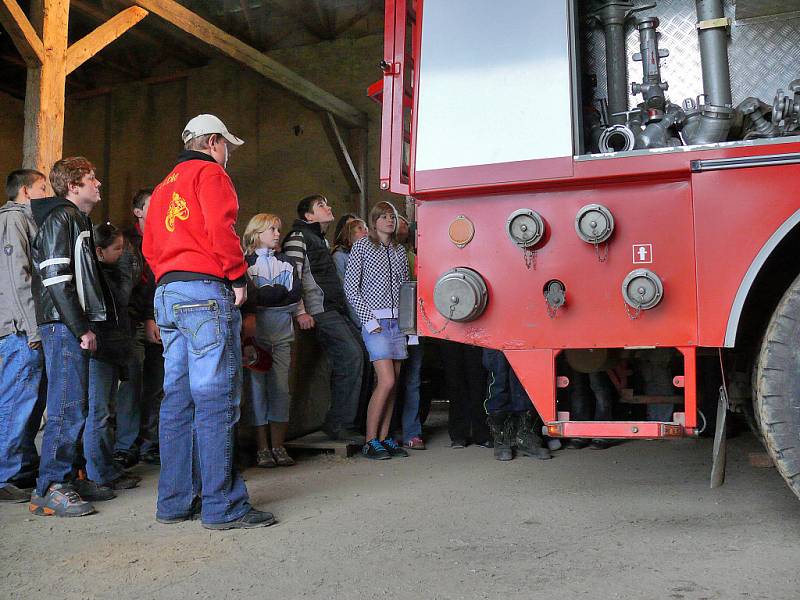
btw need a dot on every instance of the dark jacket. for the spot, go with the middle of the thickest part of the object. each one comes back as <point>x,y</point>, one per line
<point>140,307</point>
<point>307,248</point>
<point>69,286</point>
<point>120,284</point>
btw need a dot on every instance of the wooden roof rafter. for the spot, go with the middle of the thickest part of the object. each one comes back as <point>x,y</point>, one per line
<point>49,59</point>
<point>193,24</point>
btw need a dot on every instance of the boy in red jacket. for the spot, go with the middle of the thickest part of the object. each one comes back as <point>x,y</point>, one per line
<point>195,254</point>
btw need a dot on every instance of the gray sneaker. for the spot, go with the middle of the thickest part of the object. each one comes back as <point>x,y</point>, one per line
<point>251,519</point>
<point>60,500</point>
<point>12,494</point>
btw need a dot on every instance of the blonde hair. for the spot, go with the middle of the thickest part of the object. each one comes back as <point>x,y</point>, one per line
<point>258,225</point>
<point>344,241</point>
<point>377,211</point>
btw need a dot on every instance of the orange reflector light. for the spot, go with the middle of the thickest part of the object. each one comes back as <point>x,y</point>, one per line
<point>672,430</point>
<point>555,430</point>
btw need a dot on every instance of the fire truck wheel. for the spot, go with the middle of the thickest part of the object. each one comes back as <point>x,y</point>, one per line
<point>749,408</point>
<point>777,387</point>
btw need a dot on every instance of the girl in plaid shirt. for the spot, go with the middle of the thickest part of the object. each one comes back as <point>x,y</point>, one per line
<point>376,268</point>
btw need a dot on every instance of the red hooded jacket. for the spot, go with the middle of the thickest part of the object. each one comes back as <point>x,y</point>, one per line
<point>189,227</point>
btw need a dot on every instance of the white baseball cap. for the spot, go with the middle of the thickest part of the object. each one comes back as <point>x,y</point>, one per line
<point>205,124</point>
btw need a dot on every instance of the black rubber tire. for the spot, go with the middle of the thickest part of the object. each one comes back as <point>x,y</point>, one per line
<point>777,387</point>
<point>749,411</point>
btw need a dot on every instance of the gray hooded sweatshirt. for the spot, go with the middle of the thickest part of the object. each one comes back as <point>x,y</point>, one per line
<point>17,310</point>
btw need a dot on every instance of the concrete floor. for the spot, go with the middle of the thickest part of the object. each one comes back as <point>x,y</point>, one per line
<point>635,521</point>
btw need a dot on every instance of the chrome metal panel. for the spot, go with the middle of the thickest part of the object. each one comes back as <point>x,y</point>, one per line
<point>763,54</point>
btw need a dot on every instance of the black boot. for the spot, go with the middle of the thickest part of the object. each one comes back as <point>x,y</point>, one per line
<point>527,440</point>
<point>501,425</point>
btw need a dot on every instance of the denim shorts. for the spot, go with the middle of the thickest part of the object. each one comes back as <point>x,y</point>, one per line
<point>389,344</point>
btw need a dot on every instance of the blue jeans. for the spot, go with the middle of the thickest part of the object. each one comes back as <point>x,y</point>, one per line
<point>504,392</point>
<point>98,441</point>
<point>411,375</point>
<point>139,398</point>
<point>21,403</point>
<point>341,341</point>
<point>129,401</point>
<point>201,333</point>
<point>67,406</point>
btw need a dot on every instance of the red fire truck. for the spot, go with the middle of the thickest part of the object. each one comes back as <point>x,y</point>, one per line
<point>570,214</point>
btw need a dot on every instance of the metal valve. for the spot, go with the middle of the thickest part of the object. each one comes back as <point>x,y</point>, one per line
<point>642,289</point>
<point>594,224</point>
<point>555,295</point>
<point>460,295</point>
<point>525,227</point>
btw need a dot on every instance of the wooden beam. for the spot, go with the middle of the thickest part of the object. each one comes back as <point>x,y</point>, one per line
<point>359,144</point>
<point>21,31</point>
<point>247,55</point>
<point>98,15</point>
<point>248,18</point>
<point>342,153</point>
<point>85,48</point>
<point>181,51</point>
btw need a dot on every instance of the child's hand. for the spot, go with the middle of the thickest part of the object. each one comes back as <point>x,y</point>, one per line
<point>305,321</point>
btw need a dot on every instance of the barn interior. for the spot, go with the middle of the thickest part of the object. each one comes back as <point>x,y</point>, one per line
<point>288,76</point>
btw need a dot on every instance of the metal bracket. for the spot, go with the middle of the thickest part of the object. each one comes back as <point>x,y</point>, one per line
<point>714,23</point>
<point>389,68</point>
<point>662,53</point>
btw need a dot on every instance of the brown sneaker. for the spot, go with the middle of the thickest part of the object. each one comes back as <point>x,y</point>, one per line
<point>282,458</point>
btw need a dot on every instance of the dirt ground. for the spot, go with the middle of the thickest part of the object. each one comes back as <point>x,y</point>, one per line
<point>634,521</point>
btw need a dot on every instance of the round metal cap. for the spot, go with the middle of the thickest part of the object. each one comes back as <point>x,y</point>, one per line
<point>460,295</point>
<point>642,289</point>
<point>594,223</point>
<point>525,227</point>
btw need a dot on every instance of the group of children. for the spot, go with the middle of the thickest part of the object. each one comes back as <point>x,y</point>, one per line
<point>372,264</point>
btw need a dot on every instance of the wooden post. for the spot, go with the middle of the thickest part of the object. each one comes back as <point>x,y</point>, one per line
<point>44,96</point>
<point>49,60</point>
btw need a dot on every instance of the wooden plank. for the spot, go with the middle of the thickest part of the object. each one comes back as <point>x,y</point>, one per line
<point>247,55</point>
<point>21,32</point>
<point>44,97</point>
<point>321,442</point>
<point>342,153</point>
<point>85,48</point>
